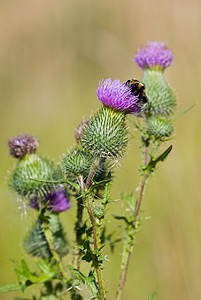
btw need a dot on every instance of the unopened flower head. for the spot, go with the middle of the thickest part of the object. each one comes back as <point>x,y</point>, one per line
<point>22,144</point>
<point>155,54</point>
<point>118,95</point>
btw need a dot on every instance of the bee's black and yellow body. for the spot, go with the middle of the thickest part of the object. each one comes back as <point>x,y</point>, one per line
<point>137,89</point>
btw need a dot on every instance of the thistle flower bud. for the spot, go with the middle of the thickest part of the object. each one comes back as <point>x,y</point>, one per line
<point>35,242</point>
<point>155,55</point>
<point>98,210</point>
<point>31,175</point>
<point>106,135</point>
<point>77,162</point>
<point>162,100</point>
<point>22,145</point>
<point>159,128</point>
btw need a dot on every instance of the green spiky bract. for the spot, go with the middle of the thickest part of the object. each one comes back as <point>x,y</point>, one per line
<point>25,179</point>
<point>77,162</point>
<point>161,98</point>
<point>35,242</point>
<point>158,127</point>
<point>106,134</point>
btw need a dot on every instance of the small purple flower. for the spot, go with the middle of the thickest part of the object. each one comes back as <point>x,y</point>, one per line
<point>34,203</point>
<point>22,144</point>
<point>154,54</point>
<point>58,201</point>
<point>117,94</point>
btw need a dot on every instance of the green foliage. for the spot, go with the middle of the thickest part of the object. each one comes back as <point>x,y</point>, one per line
<point>130,200</point>
<point>162,101</point>
<point>32,167</point>
<point>27,278</point>
<point>93,256</point>
<point>36,243</point>
<point>106,134</point>
<point>107,238</point>
<point>98,210</point>
<point>89,280</point>
<point>153,162</point>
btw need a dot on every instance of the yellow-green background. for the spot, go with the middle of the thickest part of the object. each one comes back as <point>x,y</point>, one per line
<point>52,55</point>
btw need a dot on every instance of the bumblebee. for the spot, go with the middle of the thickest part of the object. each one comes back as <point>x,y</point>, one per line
<point>138,89</point>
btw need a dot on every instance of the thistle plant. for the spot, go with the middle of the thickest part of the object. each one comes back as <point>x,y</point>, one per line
<point>84,177</point>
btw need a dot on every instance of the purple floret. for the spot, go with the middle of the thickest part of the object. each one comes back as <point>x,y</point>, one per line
<point>34,203</point>
<point>117,95</point>
<point>22,144</point>
<point>154,54</point>
<point>58,201</point>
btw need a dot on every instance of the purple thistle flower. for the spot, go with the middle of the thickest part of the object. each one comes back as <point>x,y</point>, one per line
<point>22,144</point>
<point>34,203</point>
<point>117,94</point>
<point>58,201</point>
<point>154,54</point>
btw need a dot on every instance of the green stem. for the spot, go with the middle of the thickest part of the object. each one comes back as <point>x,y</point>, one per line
<point>95,229</point>
<point>50,241</point>
<point>128,247</point>
<point>78,231</point>
<point>129,244</point>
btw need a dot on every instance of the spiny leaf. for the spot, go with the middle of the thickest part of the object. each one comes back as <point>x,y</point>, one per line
<point>152,164</point>
<point>77,273</point>
<point>90,280</point>
<point>106,195</point>
<point>97,184</point>
<point>10,287</point>
<point>129,199</point>
<point>183,112</point>
<point>129,222</point>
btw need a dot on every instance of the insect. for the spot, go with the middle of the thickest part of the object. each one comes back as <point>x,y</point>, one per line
<point>138,89</point>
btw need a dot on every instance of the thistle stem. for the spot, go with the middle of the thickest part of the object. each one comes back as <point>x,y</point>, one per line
<point>79,224</point>
<point>49,238</point>
<point>96,246</point>
<point>95,228</point>
<point>128,247</point>
<point>88,183</point>
<point>78,230</point>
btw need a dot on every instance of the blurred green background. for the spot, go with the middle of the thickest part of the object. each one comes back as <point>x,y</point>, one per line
<point>52,55</point>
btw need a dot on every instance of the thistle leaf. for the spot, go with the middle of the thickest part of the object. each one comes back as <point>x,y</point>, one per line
<point>152,164</point>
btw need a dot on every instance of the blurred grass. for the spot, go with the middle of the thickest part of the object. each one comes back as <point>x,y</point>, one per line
<point>52,55</point>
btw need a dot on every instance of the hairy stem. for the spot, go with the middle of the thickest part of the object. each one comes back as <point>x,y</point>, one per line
<point>96,246</point>
<point>78,230</point>
<point>50,239</point>
<point>129,244</point>
<point>95,228</point>
<point>88,183</point>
